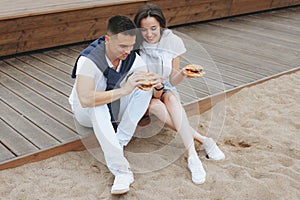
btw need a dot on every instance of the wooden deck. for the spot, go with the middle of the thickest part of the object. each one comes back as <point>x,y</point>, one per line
<point>36,121</point>
<point>28,25</point>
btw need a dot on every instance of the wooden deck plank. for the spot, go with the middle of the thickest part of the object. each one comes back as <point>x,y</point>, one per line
<point>262,50</point>
<point>26,128</point>
<point>259,49</point>
<point>192,91</point>
<point>204,87</point>
<point>5,154</point>
<point>272,24</point>
<point>267,17</point>
<point>226,71</point>
<point>54,72</point>
<point>71,53</point>
<point>25,7</point>
<point>60,114</point>
<point>48,127</point>
<point>274,31</point>
<point>289,13</point>
<point>53,62</point>
<point>235,58</point>
<point>237,24</point>
<point>40,86</point>
<point>222,54</point>
<point>62,56</point>
<point>229,57</point>
<point>228,29</point>
<point>14,141</point>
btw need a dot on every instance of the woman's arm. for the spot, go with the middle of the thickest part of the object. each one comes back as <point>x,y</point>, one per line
<point>176,75</point>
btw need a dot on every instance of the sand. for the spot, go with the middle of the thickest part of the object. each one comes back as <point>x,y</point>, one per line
<point>260,139</point>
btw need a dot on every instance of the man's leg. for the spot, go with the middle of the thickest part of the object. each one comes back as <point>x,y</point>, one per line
<point>99,118</point>
<point>104,131</point>
<point>113,152</point>
<point>132,109</point>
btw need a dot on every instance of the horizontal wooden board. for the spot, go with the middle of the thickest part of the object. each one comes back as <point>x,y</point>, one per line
<point>12,139</point>
<point>279,55</point>
<point>248,6</point>
<point>56,71</point>
<point>47,126</point>
<point>31,8</point>
<point>5,154</point>
<point>62,116</point>
<point>24,126</point>
<point>280,3</point>
<point>50,89</point>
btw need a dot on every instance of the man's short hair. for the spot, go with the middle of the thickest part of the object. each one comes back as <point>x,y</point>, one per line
<point>121,24</point>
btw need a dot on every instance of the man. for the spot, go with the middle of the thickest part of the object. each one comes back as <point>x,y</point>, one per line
<point>106,82</point>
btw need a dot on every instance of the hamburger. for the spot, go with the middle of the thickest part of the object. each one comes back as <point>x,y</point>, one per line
<point>193,71</point>
<point>145,85</point>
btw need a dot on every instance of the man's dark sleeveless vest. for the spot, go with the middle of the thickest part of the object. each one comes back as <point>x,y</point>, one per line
<point>96,52</point>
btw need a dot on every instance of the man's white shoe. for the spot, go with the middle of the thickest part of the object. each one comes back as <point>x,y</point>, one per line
<point>122,183</point>
<point>212,150</point>
<point>197,170</point>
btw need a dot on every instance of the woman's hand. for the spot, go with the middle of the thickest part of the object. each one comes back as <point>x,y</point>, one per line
<point>158,90</point>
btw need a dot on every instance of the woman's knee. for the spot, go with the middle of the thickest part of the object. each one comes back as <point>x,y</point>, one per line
<point>170,98</point>
<point>156,105</point>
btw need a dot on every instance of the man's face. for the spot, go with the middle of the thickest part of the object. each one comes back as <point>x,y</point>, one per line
<point>120,45</point>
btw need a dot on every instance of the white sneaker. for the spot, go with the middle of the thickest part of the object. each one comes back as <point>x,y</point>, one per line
<point>212,150</point>
<point>197,170</point>
<point>122,183</point>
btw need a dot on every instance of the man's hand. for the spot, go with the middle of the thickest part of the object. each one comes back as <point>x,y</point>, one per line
<point>138,78</point>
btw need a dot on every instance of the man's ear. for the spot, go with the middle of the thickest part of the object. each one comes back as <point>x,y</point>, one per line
<point>107,38</point>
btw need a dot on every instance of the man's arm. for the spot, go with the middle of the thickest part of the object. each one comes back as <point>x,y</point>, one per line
<point>89,97</point>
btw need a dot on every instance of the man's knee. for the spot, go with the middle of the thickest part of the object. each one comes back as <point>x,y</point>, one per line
<point>138,93</point>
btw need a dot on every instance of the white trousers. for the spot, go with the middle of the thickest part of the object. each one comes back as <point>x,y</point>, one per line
<point>132,109</point>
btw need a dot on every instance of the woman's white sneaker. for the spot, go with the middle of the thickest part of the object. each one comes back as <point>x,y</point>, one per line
<point>197,170</point>
<point>212,150</point>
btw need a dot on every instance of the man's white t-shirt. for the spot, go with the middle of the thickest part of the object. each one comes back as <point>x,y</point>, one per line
<point>86,67</point>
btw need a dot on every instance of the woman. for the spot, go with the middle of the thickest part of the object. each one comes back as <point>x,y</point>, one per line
<point>162,50</point>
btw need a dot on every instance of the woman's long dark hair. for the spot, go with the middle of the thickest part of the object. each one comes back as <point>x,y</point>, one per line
<point>148,10</point>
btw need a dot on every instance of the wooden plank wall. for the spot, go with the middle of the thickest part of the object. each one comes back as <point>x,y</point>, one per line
<point>190,11</point>
<point>58,28</point>
<point>48,29</point>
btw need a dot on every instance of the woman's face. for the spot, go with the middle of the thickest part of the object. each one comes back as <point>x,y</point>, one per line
<point>150,29</point>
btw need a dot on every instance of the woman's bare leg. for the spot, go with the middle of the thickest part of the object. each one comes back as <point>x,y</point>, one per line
<point>159,109</point>
<point>180,121</point>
